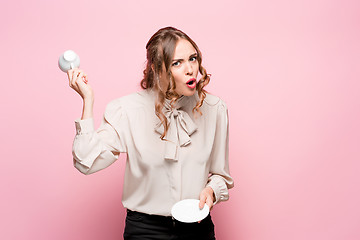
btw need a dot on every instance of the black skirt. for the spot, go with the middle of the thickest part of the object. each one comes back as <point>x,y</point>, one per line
<point>141,226</point>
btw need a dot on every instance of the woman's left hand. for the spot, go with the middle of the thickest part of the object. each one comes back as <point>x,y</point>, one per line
<point>207,196</point>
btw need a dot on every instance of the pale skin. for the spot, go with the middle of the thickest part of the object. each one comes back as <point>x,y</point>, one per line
<point>184,67</point>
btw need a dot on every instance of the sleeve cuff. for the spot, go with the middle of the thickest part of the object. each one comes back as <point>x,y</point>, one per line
<point>219,187</point>
<point>84,126</point>
<point>88,160</point>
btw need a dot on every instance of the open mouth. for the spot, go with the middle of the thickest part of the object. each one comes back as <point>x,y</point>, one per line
<point>191,83</point>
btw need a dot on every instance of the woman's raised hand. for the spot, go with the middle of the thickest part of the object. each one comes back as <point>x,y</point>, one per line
<point>79,82</point>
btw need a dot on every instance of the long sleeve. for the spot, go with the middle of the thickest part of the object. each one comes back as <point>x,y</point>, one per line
<point>94,150</point>
<point>220,180</point>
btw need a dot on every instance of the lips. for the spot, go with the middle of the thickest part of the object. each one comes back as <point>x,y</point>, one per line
<point>191,83</point>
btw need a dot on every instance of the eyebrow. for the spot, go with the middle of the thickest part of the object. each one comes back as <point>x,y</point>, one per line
<point>180,59</point>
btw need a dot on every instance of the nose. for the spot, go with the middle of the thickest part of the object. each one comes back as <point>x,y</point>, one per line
<point>189,68</point>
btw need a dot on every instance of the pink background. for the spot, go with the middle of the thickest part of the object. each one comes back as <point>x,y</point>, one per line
<point>288,70</point>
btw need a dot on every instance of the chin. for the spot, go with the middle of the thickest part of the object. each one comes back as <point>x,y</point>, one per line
<point>189,93</point>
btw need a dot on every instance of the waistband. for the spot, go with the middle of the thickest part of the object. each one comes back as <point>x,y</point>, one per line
<point>159,218</point>
<point>153,216</point>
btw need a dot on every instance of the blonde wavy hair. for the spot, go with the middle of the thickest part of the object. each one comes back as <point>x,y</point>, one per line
<point>159,55</point>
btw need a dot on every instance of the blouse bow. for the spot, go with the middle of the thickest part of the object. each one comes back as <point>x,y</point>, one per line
<point>181,126</point>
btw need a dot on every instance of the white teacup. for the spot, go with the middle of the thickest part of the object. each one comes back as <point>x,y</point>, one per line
<point>69,60</point>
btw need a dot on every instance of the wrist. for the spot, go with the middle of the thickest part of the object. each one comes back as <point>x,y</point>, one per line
<point>88,100</point>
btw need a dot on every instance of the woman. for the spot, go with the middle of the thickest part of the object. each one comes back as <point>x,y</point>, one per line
<point>175,136</point>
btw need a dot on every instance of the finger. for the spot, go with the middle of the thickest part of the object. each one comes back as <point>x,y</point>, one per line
<point>75,76</point>
<point>74,86</point>
<point>202,200</point>
<point>75,73</point>
<point>78,72</point>
<point>80,75</point>
<point>79,86</point>
<point>80,79</point>
<point>209,202</point>
<point>69,74</point>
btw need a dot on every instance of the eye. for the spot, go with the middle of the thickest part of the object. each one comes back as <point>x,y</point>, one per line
<point>192,59</point>
<point>177,63</point>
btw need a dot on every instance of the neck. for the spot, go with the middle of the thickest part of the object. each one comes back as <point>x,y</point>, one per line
<point>171,98</point>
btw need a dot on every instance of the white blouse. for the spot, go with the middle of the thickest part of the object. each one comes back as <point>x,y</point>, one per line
<point>159,173</point>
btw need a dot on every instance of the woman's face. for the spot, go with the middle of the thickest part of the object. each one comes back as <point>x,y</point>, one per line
<point>185,68</point>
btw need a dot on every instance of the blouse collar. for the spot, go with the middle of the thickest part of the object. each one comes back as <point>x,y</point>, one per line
<point>181,126</point>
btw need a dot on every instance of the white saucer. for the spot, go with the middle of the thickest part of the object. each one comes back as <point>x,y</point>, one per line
<point>188,211</point>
